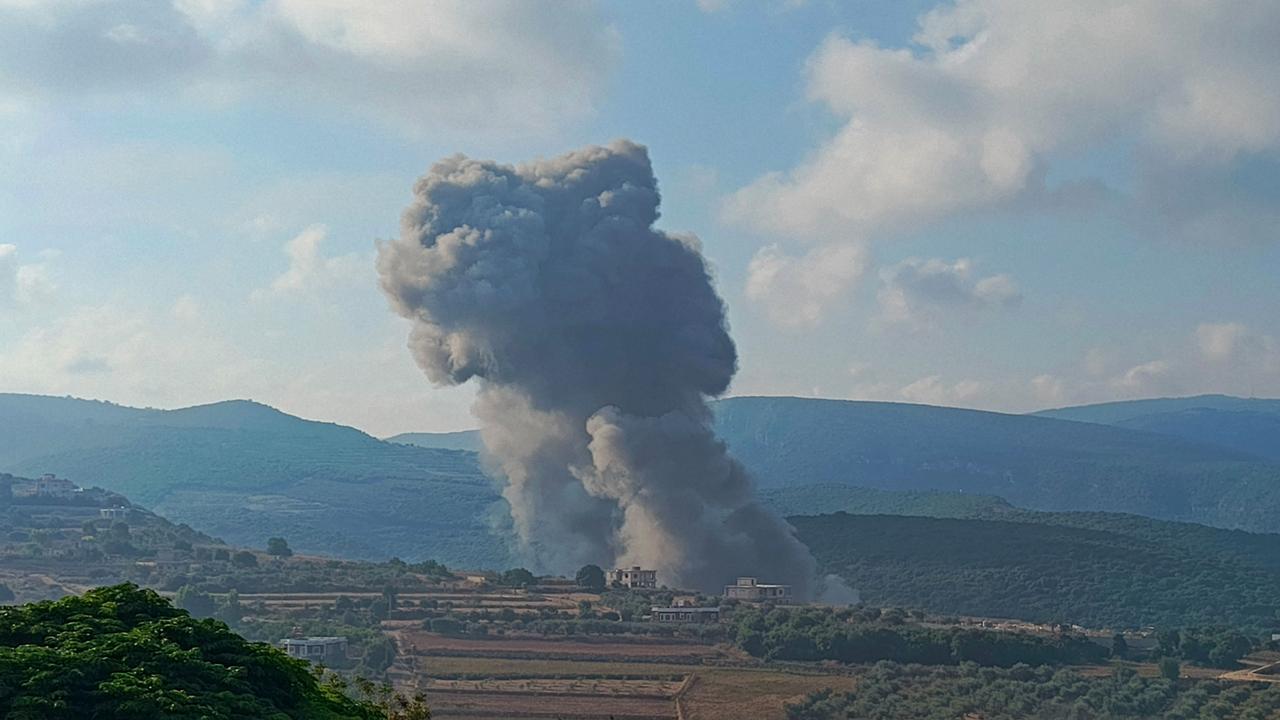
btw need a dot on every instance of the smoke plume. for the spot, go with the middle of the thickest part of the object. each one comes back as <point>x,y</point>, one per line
<point>596,341</point>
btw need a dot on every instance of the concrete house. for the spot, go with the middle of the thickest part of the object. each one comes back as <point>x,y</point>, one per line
<point>635,578</point>
<point>317,650</point>
<point>750,589</point>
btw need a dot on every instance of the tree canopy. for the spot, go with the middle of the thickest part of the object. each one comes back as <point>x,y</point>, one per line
<point>121,653</point>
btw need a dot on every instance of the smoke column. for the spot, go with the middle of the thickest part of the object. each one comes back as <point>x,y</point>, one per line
<point>596,341</point>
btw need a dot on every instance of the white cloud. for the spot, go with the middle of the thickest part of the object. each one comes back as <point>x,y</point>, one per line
<point>109,351</point>
<point>23,284</point>
<point>309,270</point>
<point>994,92</point>
<point>917,291</point>
<point>418,65</point>
<point>795,290</point>
<point>932,390</point>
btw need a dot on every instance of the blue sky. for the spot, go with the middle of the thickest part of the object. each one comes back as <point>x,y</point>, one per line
<point>994,204</point>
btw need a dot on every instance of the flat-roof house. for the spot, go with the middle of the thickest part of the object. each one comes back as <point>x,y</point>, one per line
<point>751,589</point>
<point>318,650</point>
<point>685,614</point>
<point>635,577</point>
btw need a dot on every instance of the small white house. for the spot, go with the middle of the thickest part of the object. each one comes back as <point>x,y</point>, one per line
<point>318,650</point>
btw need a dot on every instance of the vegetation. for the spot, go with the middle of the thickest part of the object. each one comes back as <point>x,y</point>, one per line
<point>279,547</point>
<point>244,471</point>
<point>1042,573</point>
<point>1249,425</point>
<point>854,636</point>
<point>912,692</point>
<point>1033,462</point>
<point>591,577</point>
<point>120,653</point>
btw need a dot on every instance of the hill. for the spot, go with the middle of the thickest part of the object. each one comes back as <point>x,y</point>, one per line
<point>1247,425</point>
<point>1034,462</point>
<point>468,440</point>
<point>1050,573</point>
<point>245,472</point>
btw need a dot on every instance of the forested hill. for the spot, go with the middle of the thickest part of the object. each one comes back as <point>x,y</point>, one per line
<point>1249,425</point>
<point>1032,462</point>
<point>1047,573</point>
<point>244,471</point>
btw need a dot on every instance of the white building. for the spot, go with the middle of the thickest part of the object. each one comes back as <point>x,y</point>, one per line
<point>318,650</point>
<point>114,513</point>
<point>752,590</point>
<point>635,577</point>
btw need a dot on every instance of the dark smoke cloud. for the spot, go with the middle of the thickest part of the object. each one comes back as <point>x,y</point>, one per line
<point>596,340</point>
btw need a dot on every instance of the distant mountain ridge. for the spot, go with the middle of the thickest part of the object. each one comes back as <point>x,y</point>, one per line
<point>1249,425</point>
<point>245,471</point>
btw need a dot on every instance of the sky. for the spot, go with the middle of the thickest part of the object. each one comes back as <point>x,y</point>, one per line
<point>999,204</point>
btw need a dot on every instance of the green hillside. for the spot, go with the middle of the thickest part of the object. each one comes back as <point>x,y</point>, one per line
<point>246,472</point>
<point>1051,573</point>
<point>1246,425</point>
<point>463,440</point>
<point>1033,462</point>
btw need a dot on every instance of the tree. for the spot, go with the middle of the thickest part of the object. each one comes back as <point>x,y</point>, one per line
<point>244,559</point>
<point>191,599</point>
<point>378,609</point>
<point>517,577</point>
<point>591,577</point>
<point>229,609</point>
<point>1119,647</point>
<point>118,653</point>
<point>279,547</point>
<point>1170,668</point>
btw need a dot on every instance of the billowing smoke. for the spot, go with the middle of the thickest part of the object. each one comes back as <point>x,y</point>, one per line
<point>596,341</point>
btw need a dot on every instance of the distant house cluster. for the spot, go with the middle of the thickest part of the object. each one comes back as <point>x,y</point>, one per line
<point>634,577</point>
<point>749,589</point>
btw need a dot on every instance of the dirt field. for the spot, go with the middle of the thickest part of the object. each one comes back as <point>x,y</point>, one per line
<point>503,706</point>
<point>730,694</point>
<point>431,644</point>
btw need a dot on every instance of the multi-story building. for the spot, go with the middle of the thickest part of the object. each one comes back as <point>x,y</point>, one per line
<point>635,577</point>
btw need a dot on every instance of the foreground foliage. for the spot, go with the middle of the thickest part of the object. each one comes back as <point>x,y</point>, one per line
<point>121,653</point>
<point>912,692</point>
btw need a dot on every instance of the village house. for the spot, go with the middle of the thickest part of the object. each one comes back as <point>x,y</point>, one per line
<point>685,615</point>
<point>635,578</point>
<point>51,486</point>
<point>750,589</point>
<point>317,650</point>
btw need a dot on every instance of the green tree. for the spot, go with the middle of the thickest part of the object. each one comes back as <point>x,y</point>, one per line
<point>244,559</point>
<point>378,609</point>
<point>1119,647</point>
<point>122,653</point>
<point>279,547</point>
<point>591,577</point>
<point>517,577</point>
<point>230,611</point>
<point>191,599</point>
<point>1170,668</point>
